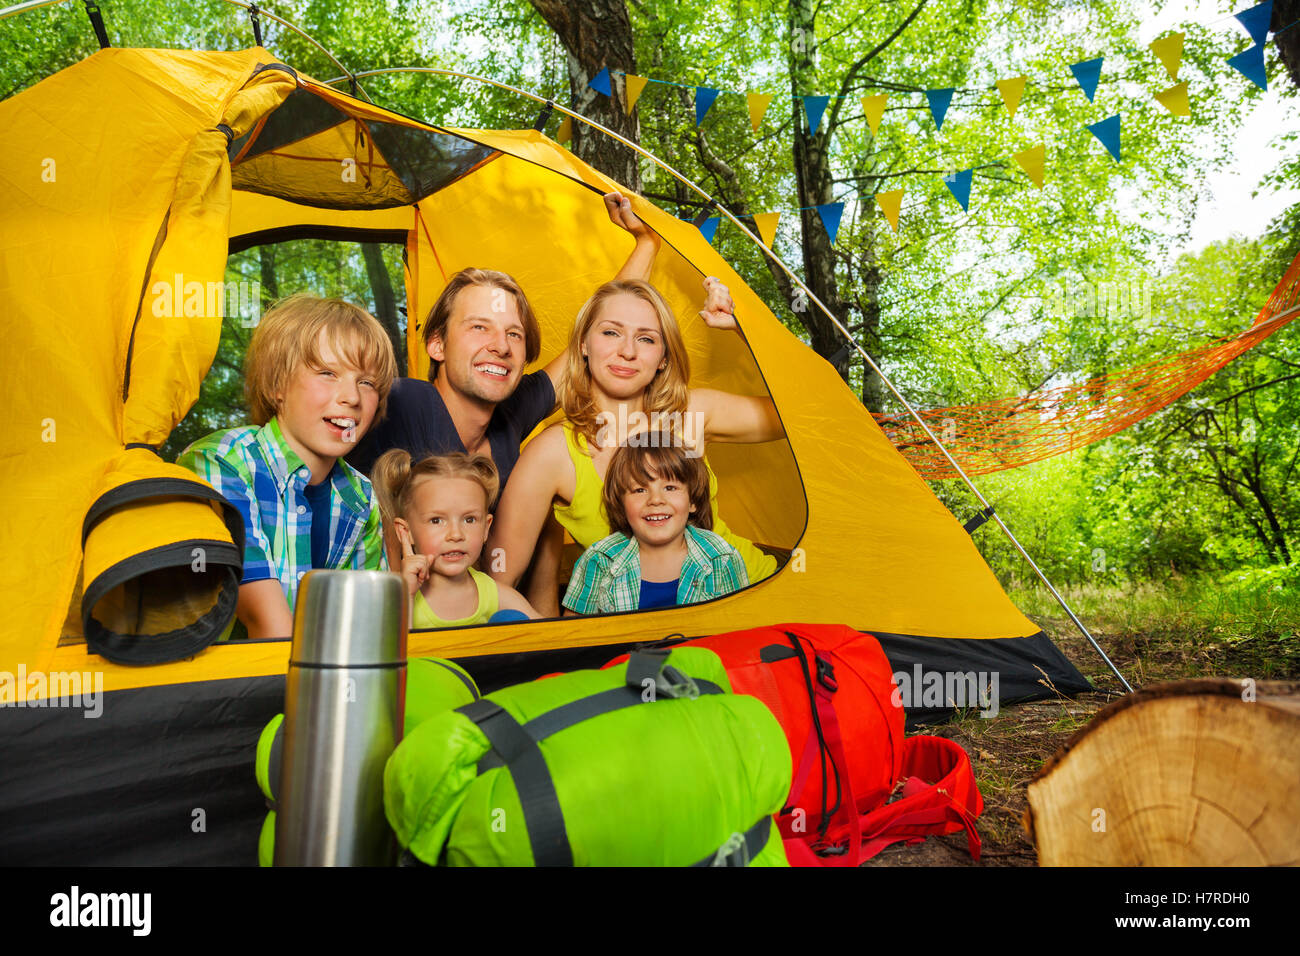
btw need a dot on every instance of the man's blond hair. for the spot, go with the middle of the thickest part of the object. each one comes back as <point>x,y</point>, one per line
<point>288,336</point>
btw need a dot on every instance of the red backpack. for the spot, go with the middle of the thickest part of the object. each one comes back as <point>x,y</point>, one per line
<point>832,690</point>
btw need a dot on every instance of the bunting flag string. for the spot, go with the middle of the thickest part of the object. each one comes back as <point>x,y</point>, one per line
<point>635,87</point>
<point>1174,100</point>
<point>939,102</point>
<point>1032,161</point>
<point>815,106</point>
<point>1167,49</point>
<point>1088,73</point>
<point>958,184</point>
<point>1011,91</point>
<point>874,108</point>
<point>890,203</point>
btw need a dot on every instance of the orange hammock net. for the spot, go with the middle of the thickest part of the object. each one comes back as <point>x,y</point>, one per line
<point>1011,432</point>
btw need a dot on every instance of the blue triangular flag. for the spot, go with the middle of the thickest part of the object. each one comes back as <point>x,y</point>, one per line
<point>704,98</point>
<point>959,185</point>
<point>600,82</point>
<point>1250,64</point>
<point>1088,73</point>
<point>939,100</point>
<point>709,227</point>
<point>1256,19</point>
<point>831,213</point>
<point>814,107</point>
<point>1107,132</point>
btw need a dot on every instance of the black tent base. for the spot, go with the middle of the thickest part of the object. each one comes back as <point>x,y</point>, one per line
<point>164,775</point>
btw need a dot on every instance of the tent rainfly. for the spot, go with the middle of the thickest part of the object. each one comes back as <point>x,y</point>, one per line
<point>129,178</point>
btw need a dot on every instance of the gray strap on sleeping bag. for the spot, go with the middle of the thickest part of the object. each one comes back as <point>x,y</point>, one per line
<point>542,815</point>
<point>740,848</point>
<point>515,745</point>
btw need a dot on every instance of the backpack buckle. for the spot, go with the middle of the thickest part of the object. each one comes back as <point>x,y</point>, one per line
<point>826,674</point>
<point>733,852</point>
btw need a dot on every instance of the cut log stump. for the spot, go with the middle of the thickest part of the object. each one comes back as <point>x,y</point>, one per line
<point>1191,773</point>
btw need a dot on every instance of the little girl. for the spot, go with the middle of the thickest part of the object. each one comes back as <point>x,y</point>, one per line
<point>438,511</point>
<point>662,552</point>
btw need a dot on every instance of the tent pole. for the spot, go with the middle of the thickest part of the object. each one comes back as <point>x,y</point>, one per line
<point>812,296</point>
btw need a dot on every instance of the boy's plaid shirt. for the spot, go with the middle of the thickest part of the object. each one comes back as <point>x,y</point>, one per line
<point>257,472</point>
<point>607,578</point>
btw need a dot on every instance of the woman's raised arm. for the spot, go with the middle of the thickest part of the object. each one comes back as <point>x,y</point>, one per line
<point>736,418</point>
<point>537,478</point>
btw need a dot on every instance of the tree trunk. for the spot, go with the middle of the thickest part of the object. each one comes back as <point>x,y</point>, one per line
<point>597,34</point>
<point>385,301</point>
<point>270,284</point>
<point>815,187</point>
<point>1285,13</point>
<point>1191,773</point>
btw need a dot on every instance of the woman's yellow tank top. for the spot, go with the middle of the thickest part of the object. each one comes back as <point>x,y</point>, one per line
<point>584,517</point>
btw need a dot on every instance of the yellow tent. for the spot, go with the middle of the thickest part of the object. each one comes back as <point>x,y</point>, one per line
<point>129,176</point>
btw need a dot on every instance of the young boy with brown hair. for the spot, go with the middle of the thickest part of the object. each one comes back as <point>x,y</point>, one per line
<point>663,552</point>
<point>317,376</point>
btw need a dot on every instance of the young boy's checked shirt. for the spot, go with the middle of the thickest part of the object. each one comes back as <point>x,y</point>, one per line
<point>256,471</point>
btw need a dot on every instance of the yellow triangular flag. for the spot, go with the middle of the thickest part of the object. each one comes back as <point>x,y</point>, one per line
<point>566,130</point>
<point>874,107</point>
<point>765,223</point>
<point>635,84</point>
<point>1032,161</point>
<point>890,203</point>
<point>757,107</point>
<point>1174,100</point>
<point>1011,91</point>
<point>1170,51</point>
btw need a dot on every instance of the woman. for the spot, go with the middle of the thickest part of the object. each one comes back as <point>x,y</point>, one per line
<point>626,372</point>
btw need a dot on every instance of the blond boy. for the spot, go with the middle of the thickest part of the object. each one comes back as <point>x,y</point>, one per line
<point>317,376</point>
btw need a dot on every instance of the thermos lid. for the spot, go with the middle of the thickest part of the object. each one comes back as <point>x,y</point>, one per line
<point>350,619</point>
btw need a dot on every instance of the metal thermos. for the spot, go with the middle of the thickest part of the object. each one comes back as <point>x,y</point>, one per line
<point>343,716</point>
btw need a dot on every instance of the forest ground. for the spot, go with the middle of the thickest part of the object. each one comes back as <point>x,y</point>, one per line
<point>1153,633</point>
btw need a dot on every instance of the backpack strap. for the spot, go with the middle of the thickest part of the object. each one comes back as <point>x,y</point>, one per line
<point>824,740</point>
<point>515,746</point>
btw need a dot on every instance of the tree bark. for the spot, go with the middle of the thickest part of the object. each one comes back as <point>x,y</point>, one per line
<point>597,34</point>
<point>1285,13</point>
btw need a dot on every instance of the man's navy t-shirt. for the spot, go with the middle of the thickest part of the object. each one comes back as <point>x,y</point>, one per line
<point>418,421</point>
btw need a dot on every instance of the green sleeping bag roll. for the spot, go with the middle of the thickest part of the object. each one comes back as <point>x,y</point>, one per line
<point>650,763</point>
<point>432,686</point>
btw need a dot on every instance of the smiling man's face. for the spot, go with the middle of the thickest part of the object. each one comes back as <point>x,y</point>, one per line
<point>482,350</point>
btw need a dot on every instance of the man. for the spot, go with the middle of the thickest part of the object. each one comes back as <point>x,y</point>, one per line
<point>480,335</point>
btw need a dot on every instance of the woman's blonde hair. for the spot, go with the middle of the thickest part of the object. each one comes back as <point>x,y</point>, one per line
<point>288,337</point>
<point>395,478</point>
<point>667,392</point>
